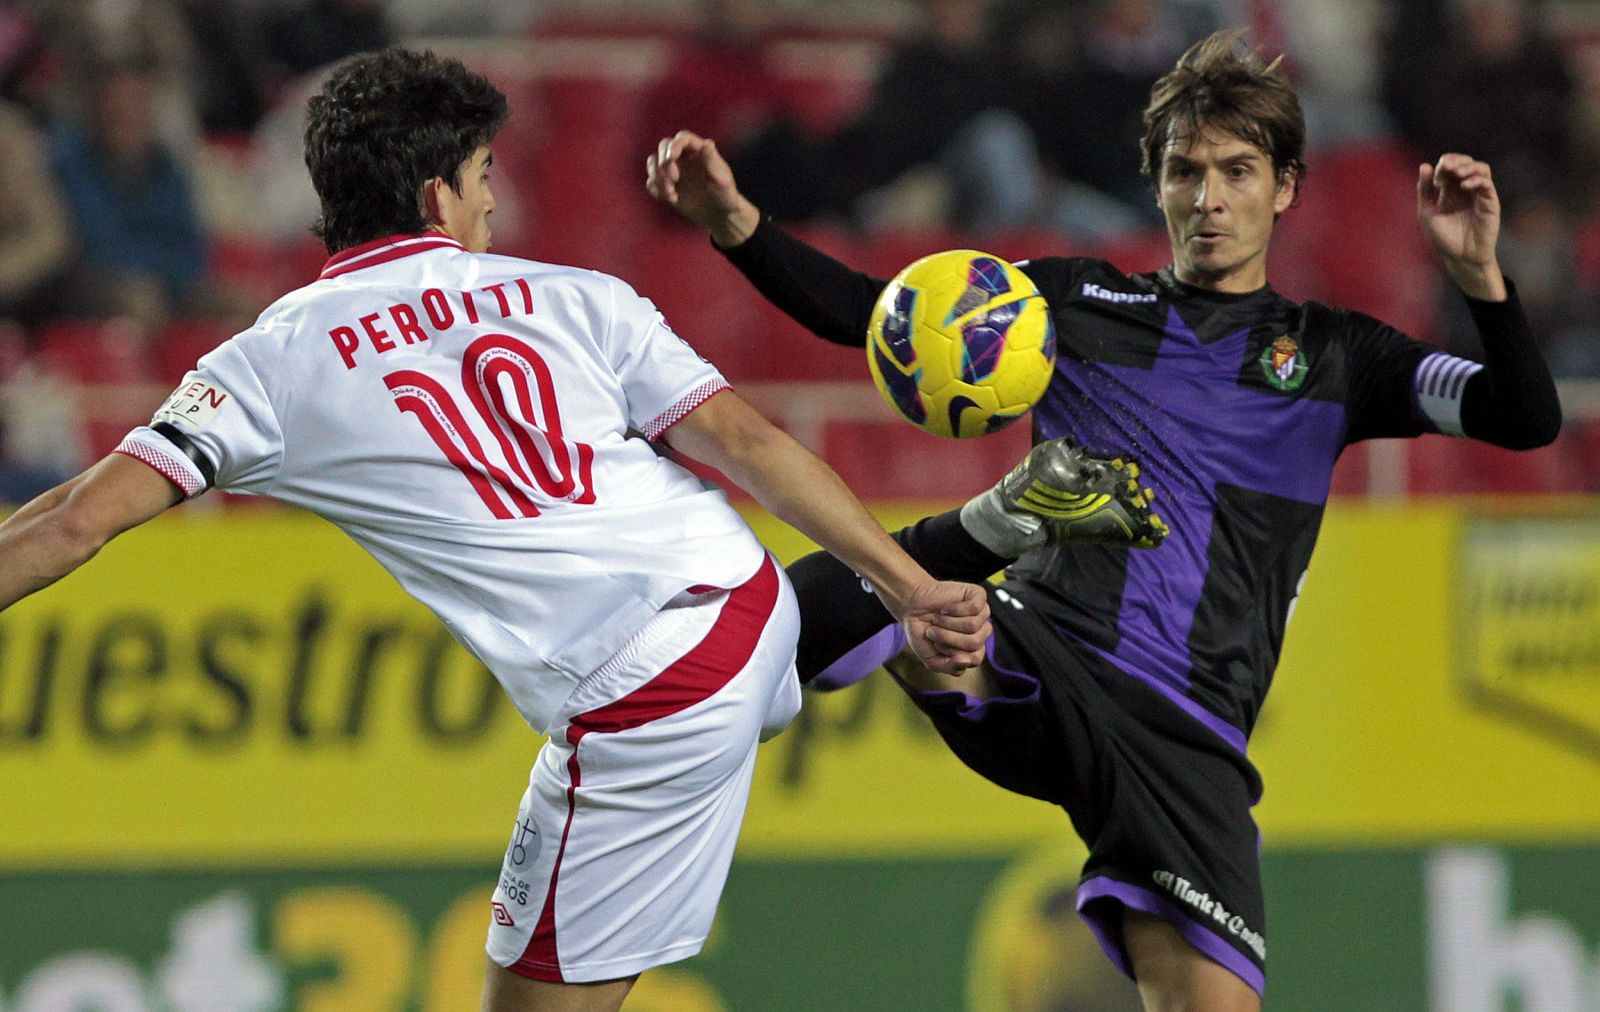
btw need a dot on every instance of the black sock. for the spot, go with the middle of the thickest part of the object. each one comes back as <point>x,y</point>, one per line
<point>944,548</point>
<point>839,613</point>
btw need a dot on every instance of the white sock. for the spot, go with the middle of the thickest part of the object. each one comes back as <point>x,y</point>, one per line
<point>1004,532</point>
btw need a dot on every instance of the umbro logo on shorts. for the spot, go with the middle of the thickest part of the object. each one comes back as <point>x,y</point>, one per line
<point>503,916</point>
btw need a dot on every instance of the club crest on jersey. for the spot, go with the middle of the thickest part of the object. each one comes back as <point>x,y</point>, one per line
<point>1284,363</point>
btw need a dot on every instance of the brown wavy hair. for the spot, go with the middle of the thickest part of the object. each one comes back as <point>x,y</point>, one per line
<point>1226,85</point>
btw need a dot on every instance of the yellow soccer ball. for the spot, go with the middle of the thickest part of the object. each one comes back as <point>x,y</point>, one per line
<point>961,343</point>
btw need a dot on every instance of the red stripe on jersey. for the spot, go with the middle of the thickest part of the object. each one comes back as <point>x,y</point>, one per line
<point>693,678</point>
<point>165,465</point>
<point>681,410</point>
<point>382,251</point>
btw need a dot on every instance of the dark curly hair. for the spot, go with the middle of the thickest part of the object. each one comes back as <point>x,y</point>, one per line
<point>1222,83</point>
<point>382,126</point>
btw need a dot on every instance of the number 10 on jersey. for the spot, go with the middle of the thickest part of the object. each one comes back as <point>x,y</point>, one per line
<point>527,427</point>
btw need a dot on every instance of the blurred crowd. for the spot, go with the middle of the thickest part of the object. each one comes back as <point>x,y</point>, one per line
<point>129,122</point>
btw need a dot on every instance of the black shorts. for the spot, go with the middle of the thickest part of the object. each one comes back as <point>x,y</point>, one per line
<point>1162,802</point>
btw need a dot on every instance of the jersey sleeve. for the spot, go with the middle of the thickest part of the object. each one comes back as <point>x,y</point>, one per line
<point>1053,276</point>
<point>662,377</point>
<point>1398,386</point>
<point>823,295</point>
<point>1403,387</point>
<point>218,429</point>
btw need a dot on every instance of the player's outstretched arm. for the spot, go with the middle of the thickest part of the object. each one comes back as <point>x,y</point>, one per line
<point>63,528</point>
<point>947,623</point>
<point>1512,401</point>
<point>1459,210</point>
<point>687,173</point>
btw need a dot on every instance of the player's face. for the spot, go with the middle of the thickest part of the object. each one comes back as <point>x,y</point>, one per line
<point>464,216</point>
<point>1220,197</point>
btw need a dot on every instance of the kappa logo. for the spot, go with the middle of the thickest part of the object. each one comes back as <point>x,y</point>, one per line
<point>1094,291</point>
<point>502,916</point>
<point>1285,364</point>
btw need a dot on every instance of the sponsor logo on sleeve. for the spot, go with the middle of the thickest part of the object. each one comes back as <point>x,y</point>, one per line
<point>194,404</point>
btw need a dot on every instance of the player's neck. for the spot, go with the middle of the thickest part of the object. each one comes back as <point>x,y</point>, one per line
<point>1242,280</point>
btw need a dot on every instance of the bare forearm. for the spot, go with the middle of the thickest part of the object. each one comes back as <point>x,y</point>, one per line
<point>38,546</point>
<point>62,529</point>
<point>802,491</point>
<point>736,225</point>
<point>1483,282</point>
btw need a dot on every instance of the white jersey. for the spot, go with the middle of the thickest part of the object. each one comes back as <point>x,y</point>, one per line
<point>473,422</point>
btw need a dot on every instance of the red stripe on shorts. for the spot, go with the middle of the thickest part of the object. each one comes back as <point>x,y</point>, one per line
<point>692,678</point>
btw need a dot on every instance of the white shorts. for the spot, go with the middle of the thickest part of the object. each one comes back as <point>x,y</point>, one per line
<point>625,834</point>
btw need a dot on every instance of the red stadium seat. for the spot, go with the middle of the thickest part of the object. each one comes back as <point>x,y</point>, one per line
<point>97,351</point>
<point>1444,466</point>
<point>894,460</point>
<point>183,342</point>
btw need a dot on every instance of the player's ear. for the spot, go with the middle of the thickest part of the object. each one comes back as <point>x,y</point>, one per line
<point>431,200</point>
<point>1288,189</point>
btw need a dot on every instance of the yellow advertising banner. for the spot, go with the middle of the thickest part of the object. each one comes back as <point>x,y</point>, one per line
<point>249,687</point>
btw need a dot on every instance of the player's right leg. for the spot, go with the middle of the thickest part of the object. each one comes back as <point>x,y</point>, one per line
<point>1060,494</point>
<point>1174,976</point>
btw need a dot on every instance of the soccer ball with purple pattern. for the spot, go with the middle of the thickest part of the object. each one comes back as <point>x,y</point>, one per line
<point>961,343</point>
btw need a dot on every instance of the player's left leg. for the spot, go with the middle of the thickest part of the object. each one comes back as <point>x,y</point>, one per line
<point>626,832</point>
<point>504,991</point>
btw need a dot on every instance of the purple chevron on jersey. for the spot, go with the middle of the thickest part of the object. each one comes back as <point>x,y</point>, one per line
<point>983,341</point>
<point>902,386</point>
<point>897,327</point>
<point>1193,425</point>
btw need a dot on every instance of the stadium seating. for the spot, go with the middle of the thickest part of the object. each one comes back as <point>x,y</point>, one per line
<point>566,162</point>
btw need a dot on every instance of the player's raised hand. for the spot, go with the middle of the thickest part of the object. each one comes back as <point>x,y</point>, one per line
<point>689,174</point>
<point>947,625</point>
<point>1459,211</point>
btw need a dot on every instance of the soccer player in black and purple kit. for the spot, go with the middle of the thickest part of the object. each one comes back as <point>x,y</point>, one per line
<point>1123,685</point>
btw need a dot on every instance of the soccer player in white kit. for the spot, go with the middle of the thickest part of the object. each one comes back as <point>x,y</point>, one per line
<point>483,426</point>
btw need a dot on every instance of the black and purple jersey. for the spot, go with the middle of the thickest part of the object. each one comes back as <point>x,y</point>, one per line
<point>1237,406</point>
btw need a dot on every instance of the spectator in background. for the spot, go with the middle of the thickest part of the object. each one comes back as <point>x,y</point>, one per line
<point>310,34</point>
<point>499,19</point>
<point>1484,76</point>
<point>80,35</point>
<point>1087,110</point>
<point>33,225</point>
<point>1337,66</point>
<point>945,103</point>
<point>140,249</point>
<point>721,85</point>
<point>230,64</point>
<point>1537,250</point>
<point>42,440</point>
